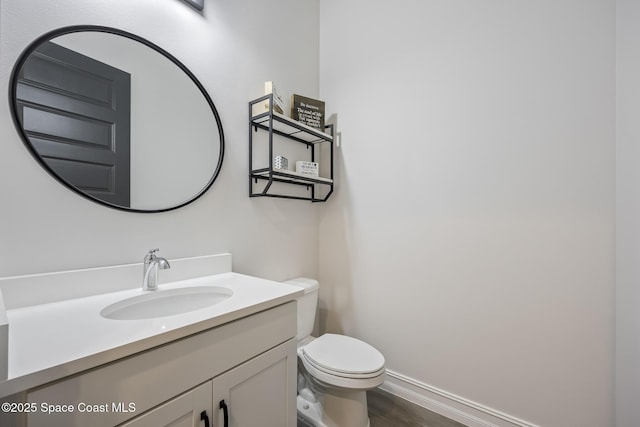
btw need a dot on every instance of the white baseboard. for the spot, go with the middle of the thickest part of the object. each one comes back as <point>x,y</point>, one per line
<point>457,408</point>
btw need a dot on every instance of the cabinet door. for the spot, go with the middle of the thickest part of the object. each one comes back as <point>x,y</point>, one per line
<point>182,411</point>
<point>260,392</point>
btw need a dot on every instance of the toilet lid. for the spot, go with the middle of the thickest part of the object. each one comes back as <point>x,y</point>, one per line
<point>342,354</point>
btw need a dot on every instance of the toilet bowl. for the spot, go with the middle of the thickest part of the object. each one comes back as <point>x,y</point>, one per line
<point>334,371</point>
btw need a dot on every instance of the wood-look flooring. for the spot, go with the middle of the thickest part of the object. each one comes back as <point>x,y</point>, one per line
<point>387,410</point>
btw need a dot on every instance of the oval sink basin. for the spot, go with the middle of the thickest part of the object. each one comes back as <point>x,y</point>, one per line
<point>166,302</point>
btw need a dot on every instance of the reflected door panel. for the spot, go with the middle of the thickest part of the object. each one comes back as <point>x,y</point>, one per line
<point>76,113</point>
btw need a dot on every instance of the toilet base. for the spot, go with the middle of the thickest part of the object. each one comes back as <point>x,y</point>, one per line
<point>336,408</point>
<point>310,412</point>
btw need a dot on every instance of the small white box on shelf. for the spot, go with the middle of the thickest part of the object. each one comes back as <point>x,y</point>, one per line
<point>307,168</point>
<point>281,163</point>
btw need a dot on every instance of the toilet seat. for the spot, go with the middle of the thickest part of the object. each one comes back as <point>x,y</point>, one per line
<point>343,374</point>
<point>343,361</point>
<point>344,356</point>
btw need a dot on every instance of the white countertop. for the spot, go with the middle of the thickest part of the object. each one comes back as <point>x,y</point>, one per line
<point>51,341</point>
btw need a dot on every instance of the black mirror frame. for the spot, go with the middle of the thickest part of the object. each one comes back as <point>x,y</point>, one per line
<point>95,28</point>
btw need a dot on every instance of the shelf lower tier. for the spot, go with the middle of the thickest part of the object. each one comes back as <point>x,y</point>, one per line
<point>289,177</point>
<point>292,177</point>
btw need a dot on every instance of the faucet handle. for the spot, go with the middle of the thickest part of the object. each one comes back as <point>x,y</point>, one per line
<point>151,254</point>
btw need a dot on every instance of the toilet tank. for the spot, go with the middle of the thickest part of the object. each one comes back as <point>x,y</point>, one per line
<point>307,304</point>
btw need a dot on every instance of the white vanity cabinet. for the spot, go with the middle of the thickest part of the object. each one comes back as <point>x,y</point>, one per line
<point>184,411</point>
<point>249,363</point>
<point>253,392</point>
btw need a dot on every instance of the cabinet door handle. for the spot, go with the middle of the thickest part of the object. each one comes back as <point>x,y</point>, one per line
<point>225,412</point>
<point>205,418</point>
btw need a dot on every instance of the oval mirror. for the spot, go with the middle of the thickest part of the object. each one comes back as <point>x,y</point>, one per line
<point>116,119</point>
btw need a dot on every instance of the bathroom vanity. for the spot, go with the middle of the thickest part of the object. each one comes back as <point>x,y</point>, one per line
<point>69,365</point>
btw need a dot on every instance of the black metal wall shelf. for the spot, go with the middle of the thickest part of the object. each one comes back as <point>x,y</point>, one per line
<point>292,130</point>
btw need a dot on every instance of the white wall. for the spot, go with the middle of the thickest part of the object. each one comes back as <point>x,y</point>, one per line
<point>627,214</point>
<point>471,236</point>
<point>232,48</point>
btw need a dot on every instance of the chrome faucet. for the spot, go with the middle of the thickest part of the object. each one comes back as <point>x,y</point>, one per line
<point>150,274</point>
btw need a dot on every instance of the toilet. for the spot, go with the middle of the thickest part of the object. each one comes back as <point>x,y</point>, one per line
<point>334,371</point>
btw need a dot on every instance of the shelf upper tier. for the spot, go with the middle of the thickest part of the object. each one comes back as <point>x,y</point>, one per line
<point>286,126</point>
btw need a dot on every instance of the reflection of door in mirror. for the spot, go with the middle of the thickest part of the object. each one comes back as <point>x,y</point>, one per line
<point>76,112</point>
